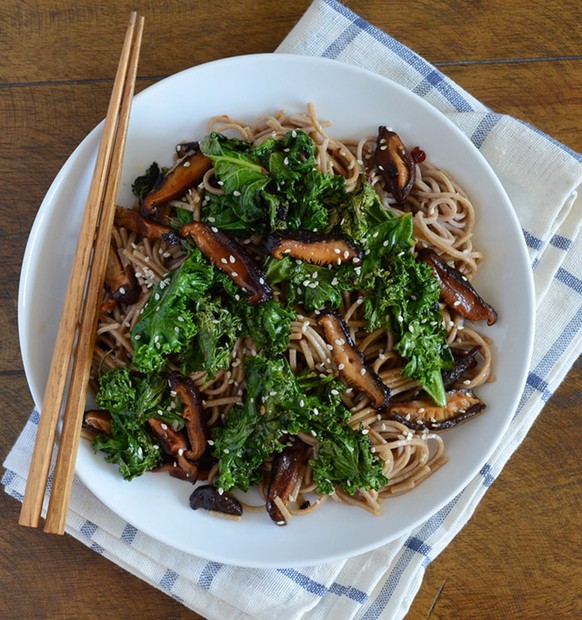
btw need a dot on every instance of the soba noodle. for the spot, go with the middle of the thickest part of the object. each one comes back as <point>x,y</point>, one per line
<point>443,218</point>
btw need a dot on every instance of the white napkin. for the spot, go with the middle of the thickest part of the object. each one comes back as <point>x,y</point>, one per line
<point>541,177</point>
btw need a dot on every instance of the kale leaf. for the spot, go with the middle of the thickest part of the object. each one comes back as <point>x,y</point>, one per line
<point>272,186</point>
<point>145,183</point>
<point>345,458</point>
<point>312,286</point>
<point>131,400</point>
<point>406,301</point>
<point>280,404</point>
<point>168,322</point>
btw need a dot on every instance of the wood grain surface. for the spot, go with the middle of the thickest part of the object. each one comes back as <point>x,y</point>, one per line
<point>519,556</point>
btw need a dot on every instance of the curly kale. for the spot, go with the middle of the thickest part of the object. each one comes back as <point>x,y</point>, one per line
<point>131,400</point>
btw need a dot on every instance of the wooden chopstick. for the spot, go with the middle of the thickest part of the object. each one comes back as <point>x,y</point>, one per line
<point>93,229</point>
<point>73,416</point>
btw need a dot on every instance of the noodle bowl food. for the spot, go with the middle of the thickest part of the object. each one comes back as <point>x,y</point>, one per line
<point>293,313</point>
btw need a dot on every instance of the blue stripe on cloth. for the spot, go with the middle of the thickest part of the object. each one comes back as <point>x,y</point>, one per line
<point>8,477</point>
<point>435,79</point>
<point>569,279</point>
<point>349,592</point>
<point>34,417</point>
<point>168,579</point>
<point>488,478</point>
<point>208,574</point>
<point>563,147</point>
<point>532,242</point>
<point>538,384</point>
<point>484,128</point>
<point>313,587</point>
<point>129,533</point>
<point>560,242</point>
<point>17,495</point>
<point>535,262</point>
<point>97,548</point>
<point>345,38</point>
<point>88,528</point>
<point>418,545</point>
<point>432,77</point>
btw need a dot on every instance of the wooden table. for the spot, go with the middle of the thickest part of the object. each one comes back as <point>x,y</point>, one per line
<point>519,556</point>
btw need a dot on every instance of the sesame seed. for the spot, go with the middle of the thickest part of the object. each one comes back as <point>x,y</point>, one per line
<point>221,183</point>
<point>137,337</point>
<point>210,442</point>
<point>232,259</point>
<point>261,280</point>
<point>214,229</point>
<point>457,303</point>
<point>363,371</point>
<point>236,193</point>
<point>164,427</point>
<point>365,431</point>
<point>337,250</point>
<point>466,382</point>
<point>421,410</point>
<point>186,164</point>
<point>234,274</point>
<point>341,366</point>
<point>122,290</point>
<point>346,254</point>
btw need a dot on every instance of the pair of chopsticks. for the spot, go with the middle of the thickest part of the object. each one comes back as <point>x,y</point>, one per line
<point>77,328</point>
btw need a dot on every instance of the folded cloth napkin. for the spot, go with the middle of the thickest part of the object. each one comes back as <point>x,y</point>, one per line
<point>384,582</point>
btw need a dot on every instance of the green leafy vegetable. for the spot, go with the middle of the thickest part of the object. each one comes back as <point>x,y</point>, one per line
<point>131,400</point>
<point>280,404</point>
<point>312,286</point>
<point>406,301</point>
<point>275,185</point>
<point>144,184</point>
<point>217,331</point>
<point>168,323</point>
<point>344,458</point>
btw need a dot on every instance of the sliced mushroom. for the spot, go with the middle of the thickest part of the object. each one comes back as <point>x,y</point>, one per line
<point>225,254</point>
<point>463,361</point>
<point>423,414</point>
<point>350,361</point>
<point>121,281</point>
<point>311,247</point>
<point>191,412</point>
<point>187,172</point>
<point>209,498</point>
<point>456,291</point>
<point>395,163</point>
<point>134,221</point>
<point>187,148</point>
<point>172,468</point>
<point>285,474</point>
<point>175,444</point>
<point>97,422</point>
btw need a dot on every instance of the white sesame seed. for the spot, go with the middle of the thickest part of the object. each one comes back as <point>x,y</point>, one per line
<point>164,427</point>
<point>234,274</point>
<point>122,290</point>
<point>365,431</point>
<point>457,303</point>
<point>236,193</point>
<point>232,259</point>
<point>214,229</point>
<point>363,371</point>
<point>341,366</point>
<point>186,164</point>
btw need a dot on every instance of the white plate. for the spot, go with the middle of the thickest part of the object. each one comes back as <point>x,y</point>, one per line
<point>357,101</point>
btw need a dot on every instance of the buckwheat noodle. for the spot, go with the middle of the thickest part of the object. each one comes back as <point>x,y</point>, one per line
<point>443,219</point>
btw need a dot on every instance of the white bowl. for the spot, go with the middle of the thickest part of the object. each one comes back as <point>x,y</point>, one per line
<point>357,101</point>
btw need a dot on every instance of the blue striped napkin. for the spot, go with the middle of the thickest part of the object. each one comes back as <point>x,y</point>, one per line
<point>381,583</point>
